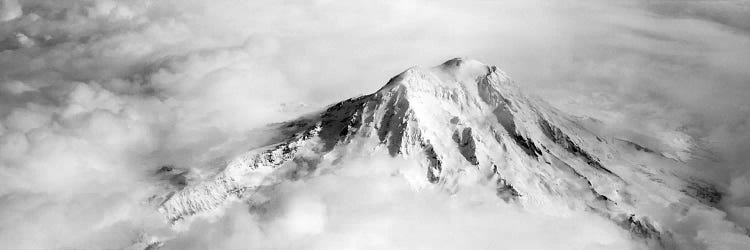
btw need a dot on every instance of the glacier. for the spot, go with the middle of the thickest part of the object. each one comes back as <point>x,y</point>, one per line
<point>464,115</point>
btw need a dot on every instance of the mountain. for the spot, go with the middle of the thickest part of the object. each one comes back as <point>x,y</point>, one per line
<point>463,115</point>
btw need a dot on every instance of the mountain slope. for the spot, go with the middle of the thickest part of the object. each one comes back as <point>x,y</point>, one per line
<point>466,117</point>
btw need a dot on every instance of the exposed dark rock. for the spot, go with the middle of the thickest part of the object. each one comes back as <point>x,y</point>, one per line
<point>557,136</point>
<point>600,196</point>
<point>339,120</point>
<point>642,148</point>
<point>527,145</point>
<point>597,195</point>
<point>466,145</point>
<point>637,147</point>
<point>179,181</point>
<point>455,120</point>
<point>704,192</point>
<point>154,246</point>
<point>175,176</point>
<point>505,118</point>
<point>394,123</point>
<point>434,163</point>
<point>505,189</point>
<point>489,93</point>
<point>165,169</point>
<point>641,228</point>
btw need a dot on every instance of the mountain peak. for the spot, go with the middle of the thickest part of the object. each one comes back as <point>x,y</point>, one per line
<point>462,120</point>
<point>460,67</point>
<point>455,73</point>
<point>462,63</point>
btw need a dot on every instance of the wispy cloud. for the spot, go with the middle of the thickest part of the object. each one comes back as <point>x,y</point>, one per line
<point>97,95</point>
<point>380,202</point>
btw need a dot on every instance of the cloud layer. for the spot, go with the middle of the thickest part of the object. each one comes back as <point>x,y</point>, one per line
<point>95,96</point>
<point>385,203</point>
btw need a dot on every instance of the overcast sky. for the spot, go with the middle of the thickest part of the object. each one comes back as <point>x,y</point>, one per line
<point>95,95</point>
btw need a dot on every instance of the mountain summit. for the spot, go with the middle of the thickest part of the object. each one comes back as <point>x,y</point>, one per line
<point>464,117</point>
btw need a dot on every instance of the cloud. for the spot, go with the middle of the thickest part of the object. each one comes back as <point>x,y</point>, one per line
<point>373,203</point>
<point>9,10</point>
<point>97,95</point>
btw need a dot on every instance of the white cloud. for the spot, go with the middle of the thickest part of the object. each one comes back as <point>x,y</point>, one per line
<point>96,95</point>
<point>369,203</point>
<point>9,10</point>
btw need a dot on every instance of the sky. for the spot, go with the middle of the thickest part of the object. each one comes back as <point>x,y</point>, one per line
<point>97,95</point>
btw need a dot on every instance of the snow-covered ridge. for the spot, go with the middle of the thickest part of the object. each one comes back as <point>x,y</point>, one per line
<point>463,115</point>
<point>233,181</point>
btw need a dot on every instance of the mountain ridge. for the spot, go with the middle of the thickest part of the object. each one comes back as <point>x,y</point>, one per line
<point>465,116</point>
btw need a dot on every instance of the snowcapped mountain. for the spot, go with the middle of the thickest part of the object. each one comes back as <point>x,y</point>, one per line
<point>462,118</point>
